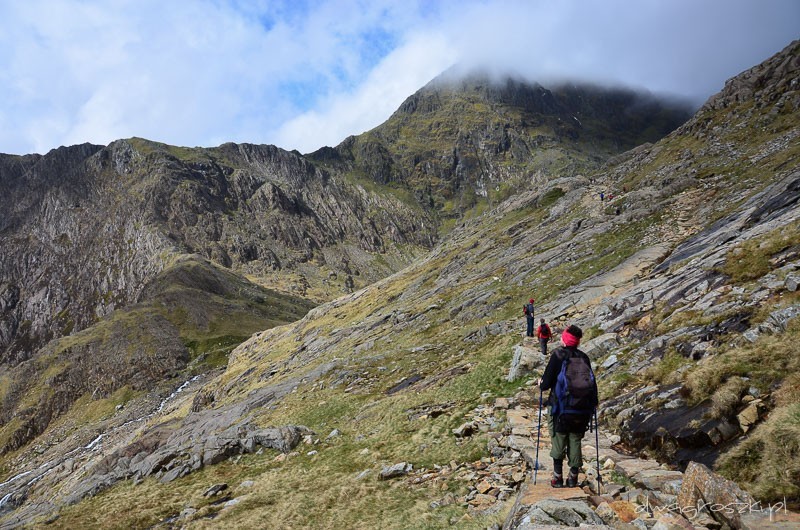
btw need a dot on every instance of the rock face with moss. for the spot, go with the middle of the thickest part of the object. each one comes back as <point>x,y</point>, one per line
<point>464,140</point>
<point>681,276</point>
<point>86,228</point>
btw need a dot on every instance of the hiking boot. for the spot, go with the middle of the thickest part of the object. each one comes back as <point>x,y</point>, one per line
<point>572,481</point>
<point>557,481</point>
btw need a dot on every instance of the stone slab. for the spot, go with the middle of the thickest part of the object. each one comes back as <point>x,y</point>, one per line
<point>657,479</point>
<point>631,467</point>
<point>542,491</point>
<point>521,417</point>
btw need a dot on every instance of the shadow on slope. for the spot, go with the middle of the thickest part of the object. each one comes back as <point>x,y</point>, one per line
<point>188,319</point>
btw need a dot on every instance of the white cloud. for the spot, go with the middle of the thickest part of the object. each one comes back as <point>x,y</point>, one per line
<point>306,74</point>
<point>398,76</point>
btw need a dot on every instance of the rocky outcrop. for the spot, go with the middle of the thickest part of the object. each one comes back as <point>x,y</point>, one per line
<point>462,157</point>
<point>527,357</point>
<point>86,228</point>
<point>704,492</point>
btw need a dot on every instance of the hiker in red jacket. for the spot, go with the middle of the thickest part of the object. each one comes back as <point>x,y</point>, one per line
<point>544,335</point>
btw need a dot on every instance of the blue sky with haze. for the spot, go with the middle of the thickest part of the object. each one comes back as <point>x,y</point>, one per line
<point>303,74</point>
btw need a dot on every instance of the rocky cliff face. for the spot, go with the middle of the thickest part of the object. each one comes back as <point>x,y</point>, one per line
<point>87,227</point>
<point>102,246</point>
<point>683,276</point>
<point>462,141</point>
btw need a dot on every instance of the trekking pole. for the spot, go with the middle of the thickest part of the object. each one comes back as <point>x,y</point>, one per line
<point>597,448</point>
<point>538,434</point>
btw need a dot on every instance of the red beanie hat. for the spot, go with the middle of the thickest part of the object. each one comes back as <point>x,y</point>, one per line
<point>572,336</point>
<point>531,300</point>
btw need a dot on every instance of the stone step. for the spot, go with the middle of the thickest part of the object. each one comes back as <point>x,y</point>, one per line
<point>542,490</point>
<point>630,468</point>
<point>521,416</point>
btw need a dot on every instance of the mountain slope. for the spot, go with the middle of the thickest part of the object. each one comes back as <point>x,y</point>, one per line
<point>461,141</point>
<point>394,367</point>
<point>90,230</point>
<point>94,224</point>
<point>115,253</point>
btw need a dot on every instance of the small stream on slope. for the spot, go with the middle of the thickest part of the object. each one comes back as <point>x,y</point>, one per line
<point>40,472</point>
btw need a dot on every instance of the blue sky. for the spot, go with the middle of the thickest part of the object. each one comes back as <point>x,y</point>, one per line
<point>304,74</point>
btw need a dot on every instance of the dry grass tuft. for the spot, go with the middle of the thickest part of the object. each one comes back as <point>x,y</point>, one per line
<point>765,364</point>
<point>767,462</point>
<point>726,398</point>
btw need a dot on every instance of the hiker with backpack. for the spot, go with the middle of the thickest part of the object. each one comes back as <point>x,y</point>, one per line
<point>544,334</point>
<point>573,399</point>
<point>527,310</point>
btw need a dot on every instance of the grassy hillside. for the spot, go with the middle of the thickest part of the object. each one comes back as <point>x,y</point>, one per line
<point>446,327</point>
<point>190,318</point>
<point>464,144</point>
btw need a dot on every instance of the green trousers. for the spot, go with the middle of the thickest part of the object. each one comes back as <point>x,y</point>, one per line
<point>569,444</point>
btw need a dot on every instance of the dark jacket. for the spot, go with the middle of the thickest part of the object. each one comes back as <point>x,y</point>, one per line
<point>553,368</point>
<point>528,310</point>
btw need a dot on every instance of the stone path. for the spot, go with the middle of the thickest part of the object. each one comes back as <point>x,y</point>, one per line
<point>634,493</point>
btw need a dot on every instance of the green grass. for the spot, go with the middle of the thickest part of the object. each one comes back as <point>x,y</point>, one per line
<point>325,485</point>
<point>550,197</point>
<point>764,363</point>
<point>610,388</point>
<point>665,371</point>
<point>753,259</point>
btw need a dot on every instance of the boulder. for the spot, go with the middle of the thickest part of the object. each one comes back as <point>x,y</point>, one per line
<point>175,473</point>
<point>702,487</point>
<point>284,438</point>
<point>781,318</point>
<point>523,363</point>
<point>561,512</point>
<point>605,512</point>
<point>214,490</point>
<point>465,429</point>
<point>397,470</point>
<point>750,415</point>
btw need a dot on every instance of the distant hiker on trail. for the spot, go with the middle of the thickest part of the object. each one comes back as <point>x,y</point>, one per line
<point>527,310</point>
<point>602,196</point>
<point>543,333</point>
<point>573,399</point>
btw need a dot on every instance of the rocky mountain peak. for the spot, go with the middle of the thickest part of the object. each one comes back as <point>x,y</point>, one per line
<point>769,83</point>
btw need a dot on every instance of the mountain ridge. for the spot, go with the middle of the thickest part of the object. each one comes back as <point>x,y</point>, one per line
<point>440,333</point>
<point>455,144</point>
